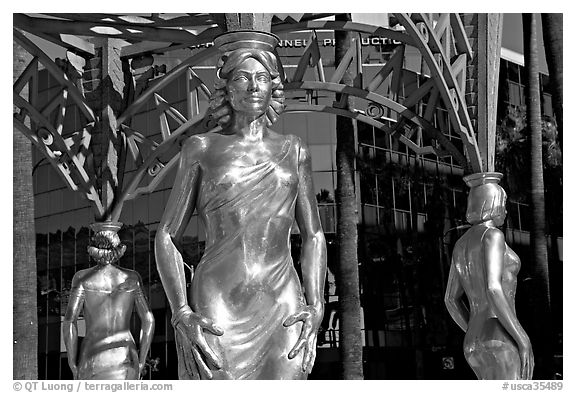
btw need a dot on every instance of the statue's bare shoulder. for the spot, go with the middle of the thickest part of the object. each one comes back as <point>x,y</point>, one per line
<point>94,279</point>
<point>492,235</point>
<point>195,147</point>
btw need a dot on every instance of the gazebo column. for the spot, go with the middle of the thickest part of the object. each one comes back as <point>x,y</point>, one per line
<point>258,21</point>
<point>104,88</point>
<point>484,33</point>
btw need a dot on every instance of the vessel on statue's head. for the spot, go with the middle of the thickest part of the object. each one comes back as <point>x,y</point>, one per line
<point>486,199</point>
<point>246,39</point>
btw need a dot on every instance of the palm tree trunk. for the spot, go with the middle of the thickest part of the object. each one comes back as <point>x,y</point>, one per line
<point>552,29</point>
<point>347,232</point>
<point>541,338</point>
<point>25,319</point>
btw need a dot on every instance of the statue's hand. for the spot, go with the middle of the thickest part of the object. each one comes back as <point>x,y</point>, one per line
<point>189,326</point>
<point>311,318</point>
<point>526,360</point>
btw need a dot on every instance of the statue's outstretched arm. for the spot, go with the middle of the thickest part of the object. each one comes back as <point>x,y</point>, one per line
<point>147,323</point>
<point>454,299</point>
<point>494,248</point>
<point>313,262</point>
<point>70,327</point>
<point>188,325</point>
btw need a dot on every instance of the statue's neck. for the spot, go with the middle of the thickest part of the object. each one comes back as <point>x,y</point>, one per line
<point>250,127</point>
<point>102,264</point>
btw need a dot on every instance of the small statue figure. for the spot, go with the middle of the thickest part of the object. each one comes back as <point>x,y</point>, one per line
<point>485,269</point>
<point>248,316</point>
<point>107,294</point>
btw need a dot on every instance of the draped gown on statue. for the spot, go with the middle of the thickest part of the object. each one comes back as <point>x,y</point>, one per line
<point>246,282</point>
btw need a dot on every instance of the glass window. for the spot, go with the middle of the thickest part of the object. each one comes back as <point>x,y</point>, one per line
<point>513,72</point>
<point>368,188</point>
<point>365,133</point>
<point>515,93</point>
<point>321,157</point>
<point>42,177</point>
<point>402,193</point>
<point>442,120</point>
<point>386,218</point>
<point>385,195</point>
<point>323,186</point>
<point>55,250</point>
<point>295,123</point>
<point>127,216</point>
<point>421,221</point>
<point>381,139</point>
<point>370,215</point>
<point>460,205</point>
<point>156,206</point>
<point>68,247</point>
<point>402,220</point>
<point>56,201</point>
<point>381,157</point>
<point>327,217</point>
<point>366,153</point>
<point>157,297</point>
<point>525,217</point>
<point>82,241</point>
<point>42,205</point>
<point>368,74</point>
<point>141,251</point>
<point>512,218</point>
<point>318,129</point>
<point>141,209</point>
<point>547,107</point>
<point>545,82</point>
<point>41,251</point>
<point>418,199</point>
<point>409,82</point>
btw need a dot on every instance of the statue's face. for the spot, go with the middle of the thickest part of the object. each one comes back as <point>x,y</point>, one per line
<point>250,88</point>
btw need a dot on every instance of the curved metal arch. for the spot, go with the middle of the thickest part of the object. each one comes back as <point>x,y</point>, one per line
<point>174,74</point>
<point>56,72</point>
<point>66,155</point>
<point>456,114</point>
<point>196,125</point>
<point>386,102</point>
<point>363,118</point>
<point>416,40</point>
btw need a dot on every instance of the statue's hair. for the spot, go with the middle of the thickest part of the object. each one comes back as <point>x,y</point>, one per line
<point>485,202</point>
<point>221,110</point>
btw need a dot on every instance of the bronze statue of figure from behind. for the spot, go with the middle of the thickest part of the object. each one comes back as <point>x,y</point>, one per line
<point>484,270</point>
<point>248,316</point>
<point>107,294</point>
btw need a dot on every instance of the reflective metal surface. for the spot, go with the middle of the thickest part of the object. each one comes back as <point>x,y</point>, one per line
<point>485,269</point>
<point>248,316</point>
<point>107,295</point>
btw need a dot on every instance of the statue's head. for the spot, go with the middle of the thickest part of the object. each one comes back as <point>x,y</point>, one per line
<point>247,77</point>
<point>486,199</point>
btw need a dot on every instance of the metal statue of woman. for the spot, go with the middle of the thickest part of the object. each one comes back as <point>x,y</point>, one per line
<point>107,294</point>
<point>248,316</point>
<point>485,270</point>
